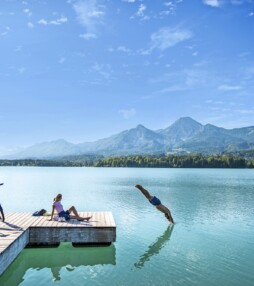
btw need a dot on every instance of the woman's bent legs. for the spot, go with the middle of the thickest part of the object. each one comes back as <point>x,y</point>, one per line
<point>76,215</point>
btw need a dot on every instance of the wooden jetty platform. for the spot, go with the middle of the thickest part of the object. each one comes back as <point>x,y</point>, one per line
<point>22,229</point>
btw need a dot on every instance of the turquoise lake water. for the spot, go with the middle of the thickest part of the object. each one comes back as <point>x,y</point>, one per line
<point>211,243</point>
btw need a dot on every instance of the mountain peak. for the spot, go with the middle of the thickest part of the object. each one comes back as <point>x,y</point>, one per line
<point>185,120</point>
<point>140,126</point>
<point>182,129</point>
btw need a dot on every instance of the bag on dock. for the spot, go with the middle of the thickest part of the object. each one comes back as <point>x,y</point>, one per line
<point>39,213</point>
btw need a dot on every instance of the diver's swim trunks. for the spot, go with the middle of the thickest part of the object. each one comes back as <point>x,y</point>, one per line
<point>64,214</point>
<point>155,201</point>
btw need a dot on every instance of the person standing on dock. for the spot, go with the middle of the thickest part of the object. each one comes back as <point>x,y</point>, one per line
<point>1,209</point>
<point>157,203</point>
<point>65,214</point>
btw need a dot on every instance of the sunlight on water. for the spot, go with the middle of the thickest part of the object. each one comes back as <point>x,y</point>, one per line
<point>210,244</point>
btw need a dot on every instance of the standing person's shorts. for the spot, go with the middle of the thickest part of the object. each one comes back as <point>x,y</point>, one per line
<point>155,201</point>
<point>64,214</point>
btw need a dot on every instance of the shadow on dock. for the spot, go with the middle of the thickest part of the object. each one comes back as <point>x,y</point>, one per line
<point>11,227</point>
<point>64,257</point>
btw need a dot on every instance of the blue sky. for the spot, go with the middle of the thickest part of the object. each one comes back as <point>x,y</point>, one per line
<point>87,69</point>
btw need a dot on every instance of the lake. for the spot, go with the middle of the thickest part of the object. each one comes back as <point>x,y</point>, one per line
<point>211,243</point>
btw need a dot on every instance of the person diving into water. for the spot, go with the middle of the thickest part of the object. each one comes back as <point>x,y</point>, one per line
<point>157,203</point>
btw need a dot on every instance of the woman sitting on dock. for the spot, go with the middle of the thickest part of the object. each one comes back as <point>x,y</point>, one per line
<point>65,214</point>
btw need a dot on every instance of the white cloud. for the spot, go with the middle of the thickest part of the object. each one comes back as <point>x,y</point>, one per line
<point>213,3</point>
<point>251,14</point>
<point>42,22</point>
<point>166,38</point>
<point>129,1</point>
<point>226,87</point>
<point>123,49</point>
<point>88,36</point>
<point>141,10</point>
<point>30,25</point>
<point>89,14</point>
<point>169,4</point>
<point>28,12</point>
<point>128,113</point>
<point>141,13</point>
<point>57,22</point>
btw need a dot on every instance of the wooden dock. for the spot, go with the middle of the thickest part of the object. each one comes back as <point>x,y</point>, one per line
<point>22,229</point>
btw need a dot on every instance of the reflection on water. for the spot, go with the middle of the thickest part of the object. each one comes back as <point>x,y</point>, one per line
<point>155,247</point>
<point>65,257</point>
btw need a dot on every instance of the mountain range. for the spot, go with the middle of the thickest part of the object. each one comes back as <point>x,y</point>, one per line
<point>184,136</point>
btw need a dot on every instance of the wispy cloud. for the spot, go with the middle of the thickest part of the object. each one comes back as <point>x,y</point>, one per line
<point>169,8</point>
<point>226,87</point>
<point>128,113</point>
<point>30,25</point>
<point>173,88</point>
<point>88,36</point>
<point>141,10</point>
<point>246,111</point>
<point>90,15</point>
<point>18,49</point>
<point>129,1</point>
<point>240,2</point>
<point>121,49</point>
<point>213,3</point>
<point>6,31</point>
<point>19,70</point>
<point>56,22</point>
<point>219,3</point>
<point>62,60</point>
<point>166,38</point>
<point>104,70</point>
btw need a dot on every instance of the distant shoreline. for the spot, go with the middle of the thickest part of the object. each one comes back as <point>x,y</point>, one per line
<point>141,161</point>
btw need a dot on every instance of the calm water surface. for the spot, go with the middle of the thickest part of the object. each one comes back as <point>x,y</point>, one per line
<point>212,242</point>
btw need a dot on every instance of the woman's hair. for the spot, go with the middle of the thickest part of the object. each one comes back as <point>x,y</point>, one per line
<point>58,197</point>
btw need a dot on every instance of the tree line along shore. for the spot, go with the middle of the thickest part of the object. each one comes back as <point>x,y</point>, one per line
<point>143,161</point>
